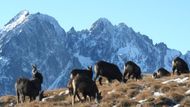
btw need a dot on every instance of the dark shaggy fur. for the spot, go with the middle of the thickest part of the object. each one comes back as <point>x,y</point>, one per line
<point>87,72</point>
<point>179,66</point>
<point>25,87</point>
<point>85,85</point>
<point>161,72</point>
<point>132,70</point>
<point>107,70</point>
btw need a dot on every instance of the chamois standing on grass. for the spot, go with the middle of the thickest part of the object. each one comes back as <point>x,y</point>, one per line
<point>179,66</point>
<point>85,85</point>
<point>88,72</point>
<point>161,73</point>
<point>132,70</point>
<point>26,87</point>
<point>107,70</point>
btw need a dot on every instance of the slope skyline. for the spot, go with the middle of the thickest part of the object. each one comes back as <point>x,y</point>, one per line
<point>163,21</point>
<point>23,14</point>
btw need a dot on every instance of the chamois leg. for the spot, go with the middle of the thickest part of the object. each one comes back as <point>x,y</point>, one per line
<point>109,80</point>
<point>173,70</point>
<point>178,72</point>
<point>90,98</point>
<point>22,98</point>
<point>32,98</point>
<point>100,80</point>
<point>96,76</point>
<point>74,95</point>
<point>73,99</point>
<point>129,76</point>
<point>79,97</point>
<point>18,96</point>
<point>84,95</point>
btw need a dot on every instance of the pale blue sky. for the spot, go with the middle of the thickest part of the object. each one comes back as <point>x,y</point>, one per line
<point>162,20</point>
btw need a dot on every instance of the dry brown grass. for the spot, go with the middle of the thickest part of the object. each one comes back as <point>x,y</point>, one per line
<point>176,96</point>
<point>127,103</point>
<point>145,94</point>
<point>112,96</point>
<point>134,85</point>
<point>122,89</point>
<point>132,93</point>
<point>165,89</point>
<point>185,102</point>
<point>7,100</point>
<point>120,95</point>
<point>188,85</point>
<point>53,92</point>
<point>163,101</point>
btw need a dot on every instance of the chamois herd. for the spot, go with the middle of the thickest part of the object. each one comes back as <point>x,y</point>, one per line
<point>82,83</point>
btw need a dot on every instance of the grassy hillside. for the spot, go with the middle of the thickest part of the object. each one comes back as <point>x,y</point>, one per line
<point>149,92</point>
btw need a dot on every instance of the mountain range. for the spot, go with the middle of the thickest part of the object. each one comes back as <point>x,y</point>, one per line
<point>39,39</point>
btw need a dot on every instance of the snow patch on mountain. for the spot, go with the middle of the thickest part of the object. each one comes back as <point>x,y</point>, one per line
<point>17,20</point>
<point>61,77</point>
<point>3,61</point>
<point>85,61</point>
<point>56,82</point>
<point>129,51</point>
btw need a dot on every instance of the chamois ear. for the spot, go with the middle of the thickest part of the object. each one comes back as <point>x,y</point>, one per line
<point>33,65</point>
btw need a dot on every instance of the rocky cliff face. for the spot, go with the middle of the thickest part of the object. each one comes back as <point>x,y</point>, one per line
<point>38,39</point>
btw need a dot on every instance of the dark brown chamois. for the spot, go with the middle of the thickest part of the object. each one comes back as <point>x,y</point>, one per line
<point>85,85</point>
<point>179,66</point>
<point>88,72</point>
<point>132,70</point>
<point>107,70</point>
<point>161,73</point>
<point>26,87</point>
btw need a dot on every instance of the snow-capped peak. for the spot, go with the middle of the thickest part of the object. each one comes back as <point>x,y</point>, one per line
<point>17,20</point>
<point>101,24</point>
